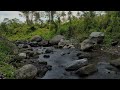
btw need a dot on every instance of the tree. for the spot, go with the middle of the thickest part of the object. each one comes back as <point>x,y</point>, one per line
<point>58,15</point>
<point>113,19</point>
<point>32,13</point>
<point>37,16</point>
<point>26,15</point>
<point>88,19</point>
<point>78,14</point>
<point>29,16</point>
<point>70,24</point>
<point>69,16</point>
<point>50,15</point>
<point>63,15</point>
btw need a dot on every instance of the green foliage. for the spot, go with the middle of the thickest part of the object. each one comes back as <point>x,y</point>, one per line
<point>26,32</point>
<point>7,70</point>
<point>78,28</point>
<point>6,48</point>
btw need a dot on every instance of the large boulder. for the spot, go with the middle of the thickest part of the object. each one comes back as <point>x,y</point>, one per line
<point>28,71</point>
<point>82,55</point>
<point>87,70</point>
<point>36,38</point>
<point>94,39</point>
<point>116,63</point>
<point>87,44</point>
<point>97,36</point>
<point>44,43</point>
<point>76,64</point>
<point>56,39</point>
<point>63,43</point>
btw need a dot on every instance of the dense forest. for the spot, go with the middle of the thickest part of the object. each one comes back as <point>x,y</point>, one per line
<point>73,27</point>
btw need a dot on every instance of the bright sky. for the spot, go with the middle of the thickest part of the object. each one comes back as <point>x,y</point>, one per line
<point>15,14</point>
<point>10,15</point>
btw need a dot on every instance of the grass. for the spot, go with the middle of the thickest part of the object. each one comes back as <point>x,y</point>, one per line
<point>45,33</point>
<point>5,68</point>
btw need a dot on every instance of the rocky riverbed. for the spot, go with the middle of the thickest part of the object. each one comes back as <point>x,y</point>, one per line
<point>56,59</point>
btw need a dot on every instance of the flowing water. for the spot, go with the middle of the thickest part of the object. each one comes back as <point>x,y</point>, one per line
<point>61,57</point>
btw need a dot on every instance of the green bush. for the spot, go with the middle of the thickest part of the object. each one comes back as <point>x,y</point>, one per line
<point>6,49</point>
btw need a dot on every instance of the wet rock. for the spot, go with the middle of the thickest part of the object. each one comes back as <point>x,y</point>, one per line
<point>84,55</point>
<point>116,63</point>
<point>36,38</point>
<point>42,71</point>
<point>28,71</point>
<point>87,70</point>
<point>69,46</point>
<point>63,43</point>
<point>32,54</point>
<point>78,54</point>
<point>87,45</point>
<point>105,68</point>
<point>48,50</point>
<point>49,67</point>
<point>35,57</point>
<point>76,64</point>
<point>94,39</point>
<point>44,43</point>
<point>46,56</point>
<point>22,46</point>
<point>97,34</point>
<point>43,62</point>
<point>97,37</point>
<point>33,44</point>
<point>105,71</point>
<point>41,51</point>
<point>114,43</point>
<point>29,53</point>
<point>65,47</point>
<point>23,55</point>
<point>56,39</point>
